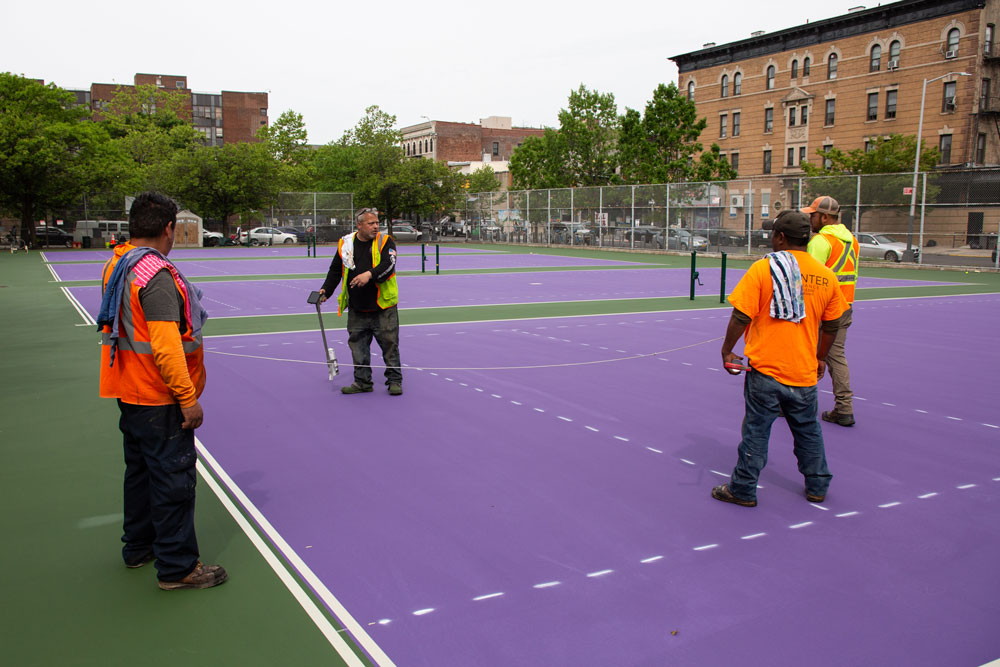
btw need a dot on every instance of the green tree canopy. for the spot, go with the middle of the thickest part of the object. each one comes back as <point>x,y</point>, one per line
<point>589,128</point>
<point>50,154</point>
<point>541,162</point>
<point>483,179</point>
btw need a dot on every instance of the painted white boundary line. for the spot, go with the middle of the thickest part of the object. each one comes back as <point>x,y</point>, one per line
<point>362,637</point>
<point>331,634</point>
<point>87,319</point>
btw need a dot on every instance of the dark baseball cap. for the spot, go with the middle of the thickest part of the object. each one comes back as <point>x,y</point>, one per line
<point>826,205</point>
<point>793,224</point>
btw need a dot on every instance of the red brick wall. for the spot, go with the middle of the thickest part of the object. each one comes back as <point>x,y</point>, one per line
<point>241,116</point>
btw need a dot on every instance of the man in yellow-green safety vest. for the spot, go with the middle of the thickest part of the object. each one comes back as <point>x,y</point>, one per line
<point>366,263</point>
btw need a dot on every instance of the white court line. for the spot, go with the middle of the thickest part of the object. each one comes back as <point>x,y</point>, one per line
<point>333,604</point>
<point>486,597</point>
<point>651,559</point>
<point>705,547</point>
<point>753,537</point>
<point>600,573</point>
<point>307,604</point>
<point>801,525</point>
<point>927,495</point>
<point>87,319</point>
<point>547,584</point>
<point>892,504</point>
<point>847,514</point>
<point>965,486</point>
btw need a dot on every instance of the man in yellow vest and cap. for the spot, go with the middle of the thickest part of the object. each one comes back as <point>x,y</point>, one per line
<point>834,246</point>
<point>366,264</point>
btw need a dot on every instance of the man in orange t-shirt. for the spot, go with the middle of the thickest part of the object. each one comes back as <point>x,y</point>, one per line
<point>787,336</point>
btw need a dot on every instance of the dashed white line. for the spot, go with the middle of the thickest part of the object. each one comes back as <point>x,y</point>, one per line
<point>421,612</point>
<point>705,547</point>
<point>623,439</point>
<point>591,428</point>
<point>928,495</point>
<point>819,507</point>
<point>965,486</point>
<point>753,537</point>
<point>847,514</point>
<point>565,419</point>
<point>539,410</point>
<point>684,363</point>
<point>655,451</point>
<point>720,474</point>
<point>923,412</point>
<point>690,463</point>
<point>547,584</point>
<point>600,573</point>
<point>991,425</point>
<point>651,559</point>
<point>464,384</point>
<point>892,504</point>
<point>478,389</point>
<point>796,526</point>
<point>891,405</point>
<point>486,597</point>
<point>496,395</point>
<point>957,419</point>
<point>516,403</point>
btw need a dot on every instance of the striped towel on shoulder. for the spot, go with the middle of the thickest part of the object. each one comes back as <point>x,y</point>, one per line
<point>787,302</point>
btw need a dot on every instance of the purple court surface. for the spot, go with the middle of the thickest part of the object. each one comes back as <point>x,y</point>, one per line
<point>289,251</point>
<point>285,266</point>
<point>540,493</point>
<point>284,297</point>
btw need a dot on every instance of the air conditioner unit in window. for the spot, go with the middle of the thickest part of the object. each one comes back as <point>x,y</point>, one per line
<point>949,104</point>
<point>893,64</point>
<point>736,201</point>
<point>951,54</point>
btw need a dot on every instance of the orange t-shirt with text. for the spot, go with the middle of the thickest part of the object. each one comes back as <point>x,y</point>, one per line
<point>784,350</point>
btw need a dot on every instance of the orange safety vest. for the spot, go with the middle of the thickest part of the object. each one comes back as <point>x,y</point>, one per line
<point>843,261</point>
<point>134,378</point>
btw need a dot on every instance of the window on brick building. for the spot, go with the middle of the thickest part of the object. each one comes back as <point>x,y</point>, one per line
<point>769,83</point>
<point>805,66</point>
<point>691,91</point>
<point>802,155</point>
<point>736,123</point>
<point>984,96</point>
<point>263,111</point>
<point>894,49</point>
<point>981,149</point>
<point>944,145</point>
<point>737,83</point>
<point>953,36</point>
<point>496,148</point>
<point>831,66</point>
<point>831,106</point>
<point>791,157</point>
<point>872,106</point>
<point>875,64</point>
<point>869,145</point>
<point>725,85</point>
<point>890,104</point>
<point>988,40</point>
<point>795,69</point>
<point>432,146</point>
<point>767,162</point>
<point>768,120</point>
<point>792,115</point>
<point>723,125</point>
<point>805,114</point>
<point>734,159</point>
<point>948,99</point>
<point>827,162</point>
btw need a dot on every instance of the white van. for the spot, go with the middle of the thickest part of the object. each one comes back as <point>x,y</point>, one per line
<point>101,229</point>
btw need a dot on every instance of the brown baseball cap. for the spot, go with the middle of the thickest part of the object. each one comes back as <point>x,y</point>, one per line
<point>793,224</point>
<point>824,204</point>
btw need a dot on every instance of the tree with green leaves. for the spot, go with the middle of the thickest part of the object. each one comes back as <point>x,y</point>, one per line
<point>887,165</point>
<point>221,182</point>
<point>660,145</point>
<point>483,179</point>
<point>50,154</point>
<point>589,128</point>
<point>286,139</point>
<point>541,162</point>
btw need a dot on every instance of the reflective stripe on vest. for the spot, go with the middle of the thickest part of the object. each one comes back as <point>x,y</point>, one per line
<point>385,299</point>
<point>843,261</point>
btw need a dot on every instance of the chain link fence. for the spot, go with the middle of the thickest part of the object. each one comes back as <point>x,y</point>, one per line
<point>948,217</point>
<point>327,215</point>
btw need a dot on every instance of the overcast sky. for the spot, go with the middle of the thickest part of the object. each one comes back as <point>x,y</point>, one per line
<point>458,61</point>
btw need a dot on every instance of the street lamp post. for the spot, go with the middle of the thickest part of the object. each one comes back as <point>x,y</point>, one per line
<point>908,254</point>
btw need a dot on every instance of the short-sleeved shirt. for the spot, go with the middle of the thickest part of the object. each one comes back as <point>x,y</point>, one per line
<point>786,350</point>
<point>161,302</point>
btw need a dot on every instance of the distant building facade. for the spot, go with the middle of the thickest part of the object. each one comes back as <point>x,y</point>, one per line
<point>226,117</point>
<point>773,100</point>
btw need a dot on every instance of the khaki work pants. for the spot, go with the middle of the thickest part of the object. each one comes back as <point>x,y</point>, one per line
<point>836,362</point>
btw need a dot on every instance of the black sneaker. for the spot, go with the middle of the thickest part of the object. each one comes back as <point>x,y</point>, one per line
<point>838,418</point>
<point>202,576</point>
<point>395,389</point>
<point>355,389</point>
<point>723,493</point>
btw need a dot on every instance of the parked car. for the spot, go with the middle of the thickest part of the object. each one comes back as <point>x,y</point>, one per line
<point>683,239</point>
<point>404,231</point>
<point>209,239</point>
<point>455,228</point>
<point>726,237</point>
<point>300,234</point>
<point>561,233</point>
<point>883,246</point>
<point>267,236</point>
<point>53,236</point>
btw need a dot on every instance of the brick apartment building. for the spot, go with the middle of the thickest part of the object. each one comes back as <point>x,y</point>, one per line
<point>467,146</point>
<point>773,100</point>
<point>226,117</point>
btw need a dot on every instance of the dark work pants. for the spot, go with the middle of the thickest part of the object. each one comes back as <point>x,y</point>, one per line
<point>383,326</point>
<point>159,488</point>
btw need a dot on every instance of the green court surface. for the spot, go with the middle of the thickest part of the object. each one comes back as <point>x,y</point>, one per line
<point>69,600</point>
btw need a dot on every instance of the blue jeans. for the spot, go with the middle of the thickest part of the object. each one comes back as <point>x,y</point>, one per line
<point>383,326</point>
<point>764,396</point>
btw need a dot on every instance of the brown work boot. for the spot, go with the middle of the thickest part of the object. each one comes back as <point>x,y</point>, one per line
<point>202,576</point>
<point>838,418</point>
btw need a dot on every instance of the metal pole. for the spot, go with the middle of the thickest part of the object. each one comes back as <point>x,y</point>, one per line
<point>857,205</point>
<point>722,291</point>
<point>996,247</point>
<point>548,220</point>
<point>923,208</point>
<point>437,259</point>
<point>748,217</point>
<point>423,258</point>
<point>692,274</point>
<point>572,215</point>
<point>633,218</point>
<point>666,229</point>
<point>600,212</point>
<point>916,168</point>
